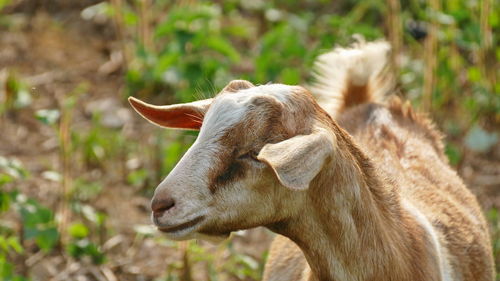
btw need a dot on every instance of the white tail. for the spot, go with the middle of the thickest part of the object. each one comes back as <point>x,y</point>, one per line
<point>345,77</point>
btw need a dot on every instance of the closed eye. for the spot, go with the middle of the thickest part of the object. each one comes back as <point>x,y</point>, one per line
<point>251,155</point>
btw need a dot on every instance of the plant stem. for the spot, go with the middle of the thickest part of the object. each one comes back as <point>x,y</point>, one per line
<point>430,57</point>
<point>487,61</point>
<point>64,155</point>
<point>186,265</point>
<point>395,31</point>
<point>120,29</point>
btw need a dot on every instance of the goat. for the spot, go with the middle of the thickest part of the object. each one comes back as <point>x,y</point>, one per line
<point>366,195</point>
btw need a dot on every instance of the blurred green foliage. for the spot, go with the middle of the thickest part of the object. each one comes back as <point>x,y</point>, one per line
<point>183,51</point>
<point>15,93</point>
<point>199,47</point>
<point>10,245</point>
<point>38,223</point>
<point>80,246</point>
<point>192,48</point>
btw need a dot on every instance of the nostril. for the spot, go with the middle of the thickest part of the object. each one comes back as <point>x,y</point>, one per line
<point>161,205</point>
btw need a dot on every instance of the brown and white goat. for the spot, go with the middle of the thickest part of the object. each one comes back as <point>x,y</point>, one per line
<point>369,196</point>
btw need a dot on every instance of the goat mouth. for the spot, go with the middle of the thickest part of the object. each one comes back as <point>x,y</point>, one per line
<point>182,226</point>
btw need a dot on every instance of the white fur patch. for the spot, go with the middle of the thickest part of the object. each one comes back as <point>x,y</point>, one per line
<point>359,66</point>
<point>230,109</point>
<point>444,265</point>
<point>224,113</point>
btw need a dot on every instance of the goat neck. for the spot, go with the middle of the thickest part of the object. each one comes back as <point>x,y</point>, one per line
<point>353,225</point>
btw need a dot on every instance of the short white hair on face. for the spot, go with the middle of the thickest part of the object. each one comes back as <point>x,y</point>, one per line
<point>230,109</point>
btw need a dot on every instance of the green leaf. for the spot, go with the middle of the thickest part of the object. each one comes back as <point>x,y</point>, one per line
<point>39,224</point>
<point>138,177</point>
<point>47,116</point>
<point>248,261</point>
<point>84,247</point>
<point>492,216</point>
<point>22,97</point>
<point>474,74</point>
<point>130,18</point>
<point>290,76</point>
<point>223,46</point>
<point>11,169</point>
<point>78,230</point>
<point>3,244</point>
<point>494,19</point>
<point>102,9</point>
<point>90,213</point>
<point>4,200</point>
<point>4,3</point>
<point>453,153</point>
<point>13,242</point>
<point>6,269</point>
<point>4,179</point>
<point>84,190</point>
<point>47,239</point>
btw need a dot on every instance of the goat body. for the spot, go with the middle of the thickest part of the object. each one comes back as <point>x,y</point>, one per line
<point>365,195</point>
<point>401,213</point>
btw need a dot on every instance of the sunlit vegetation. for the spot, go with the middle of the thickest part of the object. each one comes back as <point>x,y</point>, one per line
<point>77,168</point>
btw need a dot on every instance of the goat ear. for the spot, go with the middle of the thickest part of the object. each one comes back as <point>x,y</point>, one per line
<point>188,116</point>
<point>296,161</point>
<point>236,85</point>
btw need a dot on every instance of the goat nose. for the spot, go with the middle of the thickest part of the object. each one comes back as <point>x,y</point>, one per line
<point>161,204</point>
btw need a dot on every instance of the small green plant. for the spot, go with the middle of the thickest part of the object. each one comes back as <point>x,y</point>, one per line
<point>243,266</point>
<point>14,92</point>
<point>218,267</point>
<point>192,50</point>
<point>10,170</point>
<point>173,150</point>
<point>137,177</point>
<point>95,222</point>
<point>84,191</point>
<point>80,246</point>
<point>9,240</point>
<point>7,245</point>
<point>38,223</point>
<point>99,145</point>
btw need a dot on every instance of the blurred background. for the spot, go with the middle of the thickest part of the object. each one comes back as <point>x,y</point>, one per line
<point>78,167</point>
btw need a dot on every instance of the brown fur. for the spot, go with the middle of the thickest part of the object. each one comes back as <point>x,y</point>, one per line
<point>372,222</point>
<point>383,205</point>
<point>360,94</point>
<point>395,158</point>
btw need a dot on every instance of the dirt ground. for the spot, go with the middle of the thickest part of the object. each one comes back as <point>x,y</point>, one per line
<point>55,54</point>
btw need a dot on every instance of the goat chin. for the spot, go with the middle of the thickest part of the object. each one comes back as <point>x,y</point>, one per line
<point>214,239</point>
